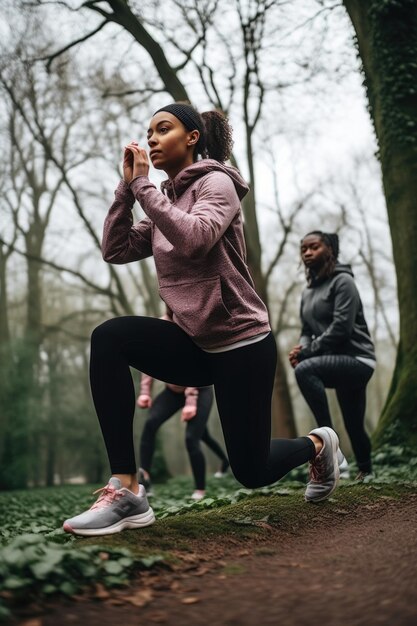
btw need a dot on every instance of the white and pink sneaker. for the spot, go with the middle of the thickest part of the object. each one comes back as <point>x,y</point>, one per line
<point>115,509</point>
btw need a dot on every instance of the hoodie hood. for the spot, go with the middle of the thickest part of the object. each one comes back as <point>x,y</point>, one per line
<point>176,187</point>
<point>343,268</point>
<point>340,268</point>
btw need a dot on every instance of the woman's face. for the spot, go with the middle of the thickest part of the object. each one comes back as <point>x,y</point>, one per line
<point>314,252</point>
<point>171,144</point>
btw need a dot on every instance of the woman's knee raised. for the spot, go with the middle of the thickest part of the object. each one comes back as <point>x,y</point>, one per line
<point>103,334</point>
<point>302,370</point>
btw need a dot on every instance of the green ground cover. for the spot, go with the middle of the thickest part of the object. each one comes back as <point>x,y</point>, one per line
<point>38,559</point>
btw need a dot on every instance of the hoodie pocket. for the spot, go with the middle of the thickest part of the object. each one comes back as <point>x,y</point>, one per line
<point>198,307</point>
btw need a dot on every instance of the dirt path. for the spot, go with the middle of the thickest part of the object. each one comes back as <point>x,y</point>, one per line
<point>350,570</point>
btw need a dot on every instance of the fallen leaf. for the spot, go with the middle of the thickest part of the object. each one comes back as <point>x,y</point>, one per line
<point>101,592</point>
<point>116,601</point>
<point>141,598</point>
<point>190,600</point>
<point>175,585</point>
<point>190,558</point>
<point>264,525</point>
<point>201,571</point>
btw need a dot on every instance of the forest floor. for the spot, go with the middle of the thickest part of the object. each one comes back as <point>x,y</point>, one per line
<point>351,560</point>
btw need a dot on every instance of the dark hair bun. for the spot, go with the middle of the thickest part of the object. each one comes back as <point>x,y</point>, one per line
<point>218,136</point>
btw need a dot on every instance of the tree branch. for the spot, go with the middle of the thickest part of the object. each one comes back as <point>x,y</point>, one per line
<point>55,55</point>
<point>60,268</point>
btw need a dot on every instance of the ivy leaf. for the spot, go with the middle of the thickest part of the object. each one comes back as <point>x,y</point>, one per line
<point>50,560</point>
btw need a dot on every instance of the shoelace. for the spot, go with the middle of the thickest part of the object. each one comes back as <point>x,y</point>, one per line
<point>317,469</point>
<point>108,495</point>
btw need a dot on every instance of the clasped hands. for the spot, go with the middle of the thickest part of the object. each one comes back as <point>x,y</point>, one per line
<point>293,355</point>
<point>135,162</point>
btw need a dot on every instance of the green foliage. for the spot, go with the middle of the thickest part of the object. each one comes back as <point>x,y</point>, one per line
<point>37,559</point>
<point>392,83</point>
<point>31,567</point>
<point>395,462</point>
<point>17,367</point>
<point>173,497</point>
<point>398,422</point>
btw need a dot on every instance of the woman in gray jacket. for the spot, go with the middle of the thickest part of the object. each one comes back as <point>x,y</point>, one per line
<point>219,334</point>
<point>335,349</point>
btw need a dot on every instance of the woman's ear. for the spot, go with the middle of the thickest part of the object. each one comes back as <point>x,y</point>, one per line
<point>194,136</point>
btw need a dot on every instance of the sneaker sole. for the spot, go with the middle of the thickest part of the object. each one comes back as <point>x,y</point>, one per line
<point>135,521</point>
<point>334,440</point>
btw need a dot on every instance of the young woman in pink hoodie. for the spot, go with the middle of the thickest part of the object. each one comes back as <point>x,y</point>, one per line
<point>220,333</point>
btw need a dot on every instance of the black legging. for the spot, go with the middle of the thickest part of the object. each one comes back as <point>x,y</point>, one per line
<point>165,405</point>
<point>349,378</point>
<point>243,382</point>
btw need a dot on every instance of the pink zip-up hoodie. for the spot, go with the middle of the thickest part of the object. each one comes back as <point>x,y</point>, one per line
<point>194,230</point>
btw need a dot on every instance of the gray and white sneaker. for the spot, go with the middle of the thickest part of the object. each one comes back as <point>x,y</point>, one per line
<point>343,465</point>
<point>324,469</point>
<point>116,508</point>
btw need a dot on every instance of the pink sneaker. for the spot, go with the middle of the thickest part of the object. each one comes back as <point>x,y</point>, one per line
<point>116,508</point>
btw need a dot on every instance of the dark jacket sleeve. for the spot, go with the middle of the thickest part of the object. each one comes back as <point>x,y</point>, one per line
<point>346,306</point>
<point>306,332</point>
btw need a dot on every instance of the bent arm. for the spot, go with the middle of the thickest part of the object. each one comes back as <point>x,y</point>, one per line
<point>191,396</point>
<point>306,331</point>
<point>196,232</point>
<point>346,306</point>
<point>146,383</point>
<point>123,241</point>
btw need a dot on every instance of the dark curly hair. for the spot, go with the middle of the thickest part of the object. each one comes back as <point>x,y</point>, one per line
<point>331,241</point>
<point>217,136</point>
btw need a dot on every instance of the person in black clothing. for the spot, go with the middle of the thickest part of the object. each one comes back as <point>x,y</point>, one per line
<point>335,349</point>
<point>196,405</point>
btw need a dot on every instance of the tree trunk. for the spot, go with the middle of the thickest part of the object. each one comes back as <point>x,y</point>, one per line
<point>123,15</point>
<point>4,315</point>
<point>5,353</point>
<point>387,41</point>
<point>283,424</point>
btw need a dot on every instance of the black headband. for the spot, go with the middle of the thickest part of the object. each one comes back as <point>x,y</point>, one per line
<point>186,114</point>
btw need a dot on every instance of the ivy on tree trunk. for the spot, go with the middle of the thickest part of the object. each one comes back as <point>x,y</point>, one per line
<point>386,38</point>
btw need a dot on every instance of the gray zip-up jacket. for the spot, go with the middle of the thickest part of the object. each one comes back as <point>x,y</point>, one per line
<point>332,318</point>
<point>194,232</point>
